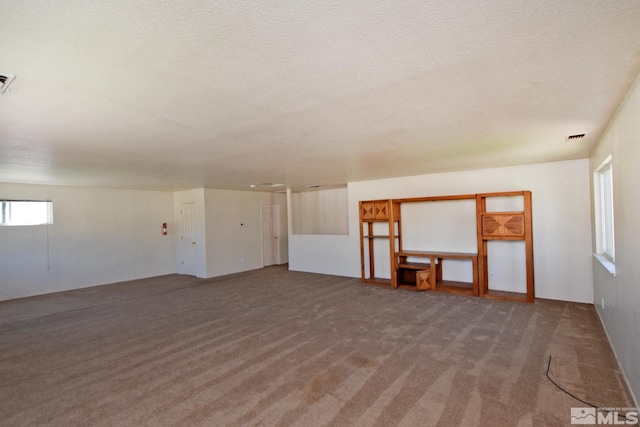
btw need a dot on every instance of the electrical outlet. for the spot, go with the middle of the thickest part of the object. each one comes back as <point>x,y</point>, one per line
<point>602,300</point>
<point>492,275</point>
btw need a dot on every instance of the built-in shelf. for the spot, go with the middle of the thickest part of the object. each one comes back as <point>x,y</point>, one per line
<point>407,272</point>
<point>427,275</point>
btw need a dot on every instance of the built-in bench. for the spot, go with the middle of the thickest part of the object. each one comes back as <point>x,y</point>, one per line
<point>428,276</point>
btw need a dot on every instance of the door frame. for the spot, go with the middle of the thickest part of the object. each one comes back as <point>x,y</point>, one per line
<point>183,245</point>
<point>276,229</point>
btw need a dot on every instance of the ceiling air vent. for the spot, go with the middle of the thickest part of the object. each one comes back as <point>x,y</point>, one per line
<point>576,137</point>
<point>5,81</point>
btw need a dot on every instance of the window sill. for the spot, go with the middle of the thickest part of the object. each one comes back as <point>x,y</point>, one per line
<point>606,263</point>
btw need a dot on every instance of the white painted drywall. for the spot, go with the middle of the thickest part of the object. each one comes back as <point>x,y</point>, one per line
<point>98,236</point>
<point>326,254</point>
<point>320,212</point>
<point>621,294</point>
<point>561,225</point>
<point>232,247</point>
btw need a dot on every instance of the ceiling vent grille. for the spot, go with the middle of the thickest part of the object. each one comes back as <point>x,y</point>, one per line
<point>576,137</point>
<point>5,81</point>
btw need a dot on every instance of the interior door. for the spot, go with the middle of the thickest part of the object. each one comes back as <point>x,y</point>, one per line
<point>270,231</point>
<point>188,239</point>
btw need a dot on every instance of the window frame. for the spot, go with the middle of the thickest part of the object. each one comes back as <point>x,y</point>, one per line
<point>5,213</point>
<point>604,213</point>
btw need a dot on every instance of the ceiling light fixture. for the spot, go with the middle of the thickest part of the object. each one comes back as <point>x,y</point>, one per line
<point>5,81</point>
<point>267,184</point>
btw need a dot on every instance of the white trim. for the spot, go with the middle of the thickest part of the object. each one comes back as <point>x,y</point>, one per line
<point>604,232</point>
<point>606,263</point>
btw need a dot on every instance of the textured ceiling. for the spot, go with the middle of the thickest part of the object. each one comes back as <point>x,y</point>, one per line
<point>175,95</point>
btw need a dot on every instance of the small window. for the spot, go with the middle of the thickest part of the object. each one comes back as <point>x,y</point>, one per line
<point>603,197</point>
<point>23,212</point>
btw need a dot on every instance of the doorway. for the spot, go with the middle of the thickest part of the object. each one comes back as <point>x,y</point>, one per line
<point>188,239</point>
<point>270,233</point>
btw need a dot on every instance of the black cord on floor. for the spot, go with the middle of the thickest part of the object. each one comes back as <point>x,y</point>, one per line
<point>573,395</point>
<point>569,393</point>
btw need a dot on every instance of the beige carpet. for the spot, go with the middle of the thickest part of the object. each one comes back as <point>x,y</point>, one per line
<point>274,347</point>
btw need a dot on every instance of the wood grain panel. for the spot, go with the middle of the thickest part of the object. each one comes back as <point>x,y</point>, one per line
<point>503,225</point>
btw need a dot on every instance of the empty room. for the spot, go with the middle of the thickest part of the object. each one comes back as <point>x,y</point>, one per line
<point>307,213</point>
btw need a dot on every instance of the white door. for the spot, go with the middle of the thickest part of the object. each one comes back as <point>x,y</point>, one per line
<point>270,231</point>
<point>188,239</point>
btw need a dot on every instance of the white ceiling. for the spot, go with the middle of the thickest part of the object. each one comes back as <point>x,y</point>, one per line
<point>223,94</point>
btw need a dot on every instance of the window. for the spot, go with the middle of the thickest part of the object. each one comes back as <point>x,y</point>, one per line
<point>603,198</point>
<point>23,212</point>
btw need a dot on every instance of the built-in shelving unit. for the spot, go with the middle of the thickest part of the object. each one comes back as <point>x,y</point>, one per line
<point>432,271</point>
<point>504,226</point>
<point>377,212</point>
<point>426,274</point>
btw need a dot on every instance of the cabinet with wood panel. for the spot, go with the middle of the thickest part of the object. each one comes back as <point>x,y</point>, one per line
<point>423,270</point>
<point>379,225</point>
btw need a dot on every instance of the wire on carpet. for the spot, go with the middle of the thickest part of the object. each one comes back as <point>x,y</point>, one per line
<point>574,396</point>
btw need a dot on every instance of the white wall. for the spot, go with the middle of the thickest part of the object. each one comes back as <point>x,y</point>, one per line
<point>325,254</point>
<point>98,236</point>
<point>621,294</point>
<point>561,223</point>
<point>101,236</point>
<point>320,212</point>
<point>230,247</point>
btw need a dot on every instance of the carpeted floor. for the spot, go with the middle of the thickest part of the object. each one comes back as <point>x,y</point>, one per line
<point>274,347</point>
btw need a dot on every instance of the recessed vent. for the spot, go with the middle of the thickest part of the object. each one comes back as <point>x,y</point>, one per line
<point>5,81</point>
<point>576,137</point>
